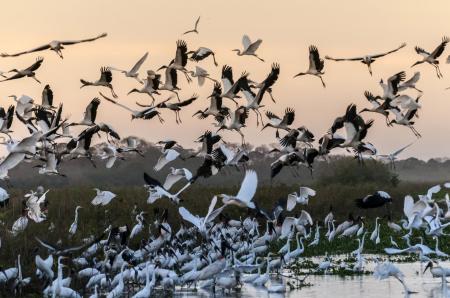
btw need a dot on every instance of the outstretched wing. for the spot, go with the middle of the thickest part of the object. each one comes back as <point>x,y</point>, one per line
<point>69,42</point>
<point>389,52</point>
<point>248,187</point>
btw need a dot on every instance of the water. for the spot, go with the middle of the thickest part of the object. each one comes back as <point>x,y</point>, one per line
<point>351,286</point>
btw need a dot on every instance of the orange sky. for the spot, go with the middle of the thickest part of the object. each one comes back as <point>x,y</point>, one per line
<point>338,28</point>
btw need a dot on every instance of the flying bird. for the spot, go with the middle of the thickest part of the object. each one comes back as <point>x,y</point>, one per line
<point>195,27</point>
<point>56,45</point>
<point>250,47</point>
<point>367,59</point>
<point>432,58</point>
<point>316,65</point>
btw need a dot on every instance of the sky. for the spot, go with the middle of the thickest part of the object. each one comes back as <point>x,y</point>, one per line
<point>337,28</point>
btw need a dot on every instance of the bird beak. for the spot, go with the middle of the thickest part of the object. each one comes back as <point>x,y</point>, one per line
<point>161,68</point>
<point>415,64</point>
<point>428,266</point>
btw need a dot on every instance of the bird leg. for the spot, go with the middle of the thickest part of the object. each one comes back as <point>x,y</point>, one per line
<point>260,59</point>
<point>189,80</point>
<point>112,92</point>
<point>323,83</point>
<point>214,59</point>
<point>36,79</point>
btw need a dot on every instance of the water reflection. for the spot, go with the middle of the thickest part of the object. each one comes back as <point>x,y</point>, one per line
<point>349,287</point>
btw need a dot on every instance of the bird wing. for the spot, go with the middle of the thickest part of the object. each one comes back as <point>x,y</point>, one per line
<point>115,102</point>
<point>314,59</point>
<point>12,160</point>
<point>433,190</point>
<point>227,78</point>
<point>305,218</point>
<point>291,201</point>
<point>287,226</point>
<point>167,157</point>
<point>401,150</point>
<point>440,48</point>
<point>90,114</point>
<point>138,64</point>
<point>344,59</point>
<point>211,206</point>
<point>289,116</point>
<point>69,42</point>
<point>254,46</point>
<point>246,42</point>
<point>188,101</point>
<point>196,22</point>
<point>421,52</point>
<point>35,65</point>
<point>187,216</point>
<point>151,181</point>
<point>306,192</point>
<point>248,186</point>
<point>229,154</point>
<point>395,80</point>
<point>171,179</point>
<point>414,79</point>
<point>40,48</point>
<point>389,52</point>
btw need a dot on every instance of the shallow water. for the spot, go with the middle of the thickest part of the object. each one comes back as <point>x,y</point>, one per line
<point>351,286</point>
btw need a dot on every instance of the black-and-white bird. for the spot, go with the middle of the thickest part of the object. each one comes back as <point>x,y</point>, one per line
<point>47,98</point>
<point>104,80</point>
<point>176,106</point>
<point>151,85</point>
<point>55,45</point>
<point>146,113</point>
<point>432,58</point>
<point>195,30</point>
<point>280,123</point>
<point>6,120</point>
<point>27,72</point>
<point>378,199</point>
<point>391,87</point>
<point>316,65</point>
<point>367,59</point>
<point>134,71</point>
<point>215,108</point>
<point>181,58</point>
<point>202,53</point>
<point>90,113</point>
<point>250,47</point>
<point>377,107</point>
<point>236,123</point>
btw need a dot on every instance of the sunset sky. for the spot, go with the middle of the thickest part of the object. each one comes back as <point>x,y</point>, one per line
<point>337,28</point>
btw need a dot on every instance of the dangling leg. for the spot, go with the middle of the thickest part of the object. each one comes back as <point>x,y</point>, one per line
<point>323,83</point>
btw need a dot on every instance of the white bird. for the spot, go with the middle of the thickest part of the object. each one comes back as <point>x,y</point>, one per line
<point>202,53</point>
<point>392,157</point>
<point>301,198</point>
<point>156,190</point>
<point>175,176</point>
<point>167,156</point>
<point>146,291</point>
<point>134,71</point>
<point>74,225</point>
<point>139,226</point>
<point>246,192</point>
<point>201,75</point>
<point>4,197</point>
<point>202,223</point>
<point>386,270</point>
<point>249,47</point>
<point>316,65</point>
<point>103,197</point>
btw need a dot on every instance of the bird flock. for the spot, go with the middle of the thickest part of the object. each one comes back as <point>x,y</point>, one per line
<point>209,250</point>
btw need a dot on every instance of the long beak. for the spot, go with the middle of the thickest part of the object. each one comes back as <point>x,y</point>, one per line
<point>415,64</point>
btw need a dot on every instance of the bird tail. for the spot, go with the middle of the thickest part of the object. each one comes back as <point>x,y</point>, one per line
<point>85,83</point>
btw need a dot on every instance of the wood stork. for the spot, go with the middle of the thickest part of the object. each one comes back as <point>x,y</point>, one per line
<point>195,27</point>
<point>280,123</point>
<point>246,192</point>
<point>368,59</point>
<point>170,83</point>
<point>47,97</point>
<point>230,157</point>
<point>56,45</point>
<point>432,58</point>
<point>181,58</point>
<point>176,106</point>
<point>26,72</point>
<point>216,108</point>
<point>316,65</point>
<point>289,159</point>
<point>6,120</point>
<point>250,47</point>
<point>103,197</point>
<point>151,85</point>
<point>147,113</point>
<point>236,123</point>
<point>202,53</point>
<point>391,87</point>
<point>230,88</point>
<point>378,199</point>
<point>377,107</point>
<point>301,134</point>
<point>405,119</point>
<point>134,71</point>
<point>104,80</point>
